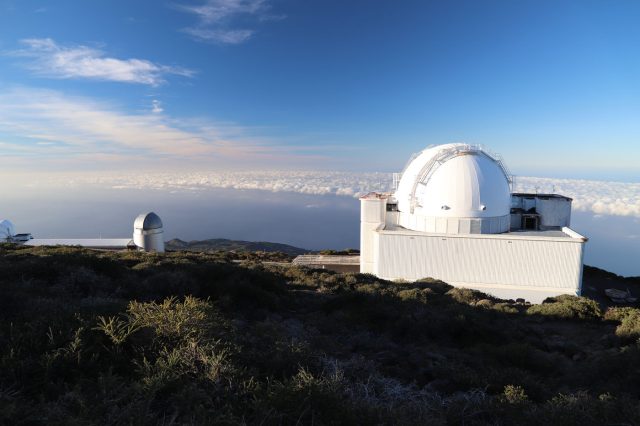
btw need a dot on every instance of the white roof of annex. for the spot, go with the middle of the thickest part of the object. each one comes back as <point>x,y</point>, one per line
<point>83,242</point>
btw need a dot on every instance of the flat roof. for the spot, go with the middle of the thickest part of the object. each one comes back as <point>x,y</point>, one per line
<point>565,233</point>
<point>529,194</point>
<point>322,259</point>
<point>83,242</point>
<point>557,233</point>
<point>375,196</point>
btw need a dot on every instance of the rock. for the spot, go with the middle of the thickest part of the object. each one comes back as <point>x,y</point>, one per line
<point>620,296</point>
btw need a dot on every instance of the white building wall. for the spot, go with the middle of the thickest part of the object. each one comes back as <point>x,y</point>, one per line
<point>454,225</point>
<point>506,266</point>
<point>391,218</point>
<point>372,216</point>
<point>149,240</point>
<point>554,212</point>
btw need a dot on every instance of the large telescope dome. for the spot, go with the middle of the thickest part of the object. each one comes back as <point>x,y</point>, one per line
<point>454,188</point>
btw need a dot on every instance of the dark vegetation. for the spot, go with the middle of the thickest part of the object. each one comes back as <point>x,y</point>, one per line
<point>596,280</point>
<point>345,252</point>
<point>193,338</point>
<point>218,244</point>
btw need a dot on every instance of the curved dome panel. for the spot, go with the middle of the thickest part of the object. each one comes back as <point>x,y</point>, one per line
<point>454,181</point>
<point>468,185</point>
<point>148,221</point>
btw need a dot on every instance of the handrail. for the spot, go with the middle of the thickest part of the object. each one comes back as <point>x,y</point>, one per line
<point>396,180</point>
<point>427,171</point>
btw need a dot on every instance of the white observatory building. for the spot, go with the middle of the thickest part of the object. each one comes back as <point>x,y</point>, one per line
<point>148,234</point>
<point>453,217</point>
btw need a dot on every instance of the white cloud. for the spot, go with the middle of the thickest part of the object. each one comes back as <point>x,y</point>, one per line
<point>53,60</point>
<point>306,182</point>
<point>213,11</point>
<point>47,124</point>
<point>598,197</point>
<point>215,19</point>
<point>156,106</point>
<point>222,36</point>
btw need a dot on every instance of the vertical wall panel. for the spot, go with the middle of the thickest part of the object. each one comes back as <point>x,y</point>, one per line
<point>553,264</point>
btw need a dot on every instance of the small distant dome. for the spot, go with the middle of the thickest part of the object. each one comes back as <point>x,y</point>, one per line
<point>148,234</point>
<point>148,221</point>
<point>7,230</point>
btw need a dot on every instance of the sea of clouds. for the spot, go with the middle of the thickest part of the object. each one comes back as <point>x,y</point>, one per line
<point>598,197</point>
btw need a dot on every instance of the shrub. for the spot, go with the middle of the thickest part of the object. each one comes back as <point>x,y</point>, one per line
<point>415,294</point>
<point>618,313</point>
<point>173,319</point>
<point>567,306</point>
<point>467,295</point>
<point>514,394</point>
<point>506,308</point>
<point>629,328</point>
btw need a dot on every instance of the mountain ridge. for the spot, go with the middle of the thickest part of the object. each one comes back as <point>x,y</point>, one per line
<point>213,244</point>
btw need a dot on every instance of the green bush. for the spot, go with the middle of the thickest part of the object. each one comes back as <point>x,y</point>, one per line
<point>629,328</point>
<point>618,313</point>
<point>506,308</point>
<point>416,294</point>
<point>567,306</point>
<point>515,394</point>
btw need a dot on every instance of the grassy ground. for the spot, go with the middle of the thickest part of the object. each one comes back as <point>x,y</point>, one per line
<point>193,338</point>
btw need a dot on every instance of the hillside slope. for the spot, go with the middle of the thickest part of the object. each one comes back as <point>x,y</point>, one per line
<point>234,245</point>
<point>193,338</point>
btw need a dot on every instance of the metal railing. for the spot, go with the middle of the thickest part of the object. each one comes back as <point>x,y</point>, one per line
<point>396,180</point>
<point>427,171</point>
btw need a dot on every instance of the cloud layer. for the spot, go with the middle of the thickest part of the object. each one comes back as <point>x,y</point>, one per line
<point>598,197</point>
<point>305,182</point>
<point>43,124</point>
<point>50,59</point>
<point>216,19</point>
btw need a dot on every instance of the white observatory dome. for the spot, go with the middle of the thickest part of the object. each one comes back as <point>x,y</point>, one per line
<point>148,233</point>
<point>7,230</point>
<point>456,189</point>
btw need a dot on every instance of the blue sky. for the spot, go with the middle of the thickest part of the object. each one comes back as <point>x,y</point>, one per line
<point>554,86</point>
